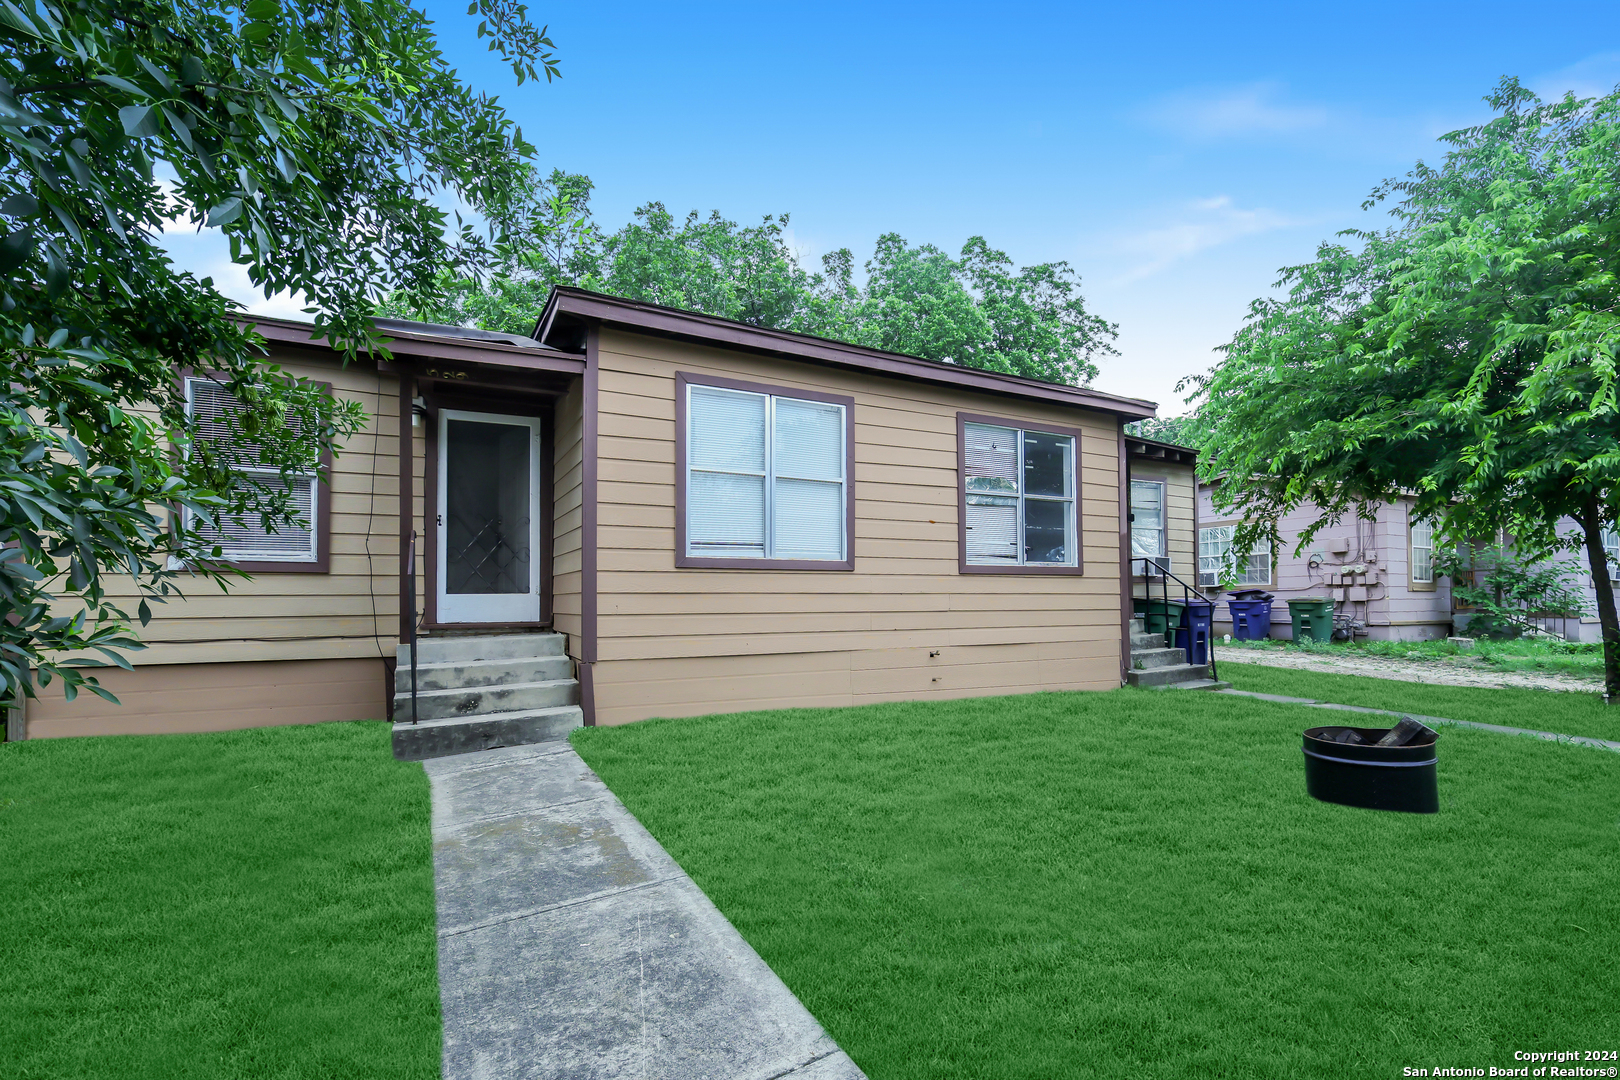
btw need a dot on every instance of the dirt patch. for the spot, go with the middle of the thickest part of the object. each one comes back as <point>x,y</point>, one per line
<point>1443,672</point>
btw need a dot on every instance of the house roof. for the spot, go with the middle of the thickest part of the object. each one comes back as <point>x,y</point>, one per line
<point>1162,451</point>
<point>431,341</point>
<point>569,311</point>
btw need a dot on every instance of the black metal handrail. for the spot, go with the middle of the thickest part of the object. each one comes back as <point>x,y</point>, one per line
<point>1187,593</point>
<point>410,589</point>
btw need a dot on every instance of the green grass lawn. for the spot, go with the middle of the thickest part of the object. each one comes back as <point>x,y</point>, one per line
<point>1545,655</point>
<point>1568,712</point>
<point>1135,884</point>
<point>250,904</point>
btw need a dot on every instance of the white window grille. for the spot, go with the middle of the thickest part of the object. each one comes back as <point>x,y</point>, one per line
<point>208,403</point>
<point>765,477</point>
<point>1148,525</point>
<point>1215,556</point>
<point>1422,533</point>
<point>1019,497</point>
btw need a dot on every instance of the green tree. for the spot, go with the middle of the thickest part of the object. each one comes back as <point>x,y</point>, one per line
<point>1466,356</point>
<point>313,133</point>
<point>1177,430</point>
<point>976,310</point>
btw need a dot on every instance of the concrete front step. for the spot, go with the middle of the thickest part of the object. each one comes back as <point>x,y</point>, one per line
<point>470,734</point>
<point>1164,676</point>
<point>1157,658</point>
<point>448,650</point>
<point>1147,641</point>
<point>1196,684</point>
<point>482,700</point>
<point>467,673</point>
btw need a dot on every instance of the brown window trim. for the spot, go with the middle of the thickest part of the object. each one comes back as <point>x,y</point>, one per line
<point>684,561</point>
<point>963,419</point>
<point>322,563</point>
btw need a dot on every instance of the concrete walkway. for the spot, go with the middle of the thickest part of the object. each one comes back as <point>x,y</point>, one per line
<point>1550,736</point>
<point>571,945</point>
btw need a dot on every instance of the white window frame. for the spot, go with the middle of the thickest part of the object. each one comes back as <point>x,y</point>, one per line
<point>1413,547</point>
<point>1161,558</point>
<point>769,557</point>
<point>248,555</point>
<point>1611,548</point>
<point>1070,500</point>
<point>1211,568</point>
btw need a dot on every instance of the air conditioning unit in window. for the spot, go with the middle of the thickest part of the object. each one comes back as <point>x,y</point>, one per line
<point>1157,566</point>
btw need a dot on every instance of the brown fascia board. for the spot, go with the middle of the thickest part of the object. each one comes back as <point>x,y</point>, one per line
<point>427,347</point>
<point>1139,447</point>
<point>568,305</point>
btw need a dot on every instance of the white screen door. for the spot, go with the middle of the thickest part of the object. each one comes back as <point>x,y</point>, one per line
<point>488,519</point>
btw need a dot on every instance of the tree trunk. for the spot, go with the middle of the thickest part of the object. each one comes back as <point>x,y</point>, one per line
<point>1598,559</point>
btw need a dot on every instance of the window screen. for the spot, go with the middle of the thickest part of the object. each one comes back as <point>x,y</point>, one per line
<point>1019,497</point>
<point>765,477</point>
<point>1147,520</point>
<point>248,540</point>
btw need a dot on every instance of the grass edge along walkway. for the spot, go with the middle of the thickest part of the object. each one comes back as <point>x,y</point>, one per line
<point>1551,736</point>
<point>1069,884</point>
<point>254,903</point>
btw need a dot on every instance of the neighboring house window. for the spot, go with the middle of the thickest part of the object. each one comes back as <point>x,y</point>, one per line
<point>1611,546</point>
<point>1148,523</point>
<point>766,477</point>
<point>1422,552</point>
<point>1215,556</point>
<point>1019,489</point>
<point>248,541</point>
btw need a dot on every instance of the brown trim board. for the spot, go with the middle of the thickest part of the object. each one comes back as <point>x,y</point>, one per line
<point>1127,608</point>
<point>407,502</point>
<point>572,306</point>
<point>963,419</point>
<point>589,423</point>
<point>682,559</point>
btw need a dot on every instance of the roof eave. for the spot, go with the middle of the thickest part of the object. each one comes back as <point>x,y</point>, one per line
<point>569,304</point>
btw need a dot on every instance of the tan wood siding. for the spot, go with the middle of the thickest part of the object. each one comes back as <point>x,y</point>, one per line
<point>351,611</point>
<point>568,490</point>
<point>172,698</point>
<point>683,642</point>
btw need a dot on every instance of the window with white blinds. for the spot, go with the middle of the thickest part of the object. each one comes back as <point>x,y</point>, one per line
<point>1018,497</point>
<point>766,476</point>
<point>247,540</point>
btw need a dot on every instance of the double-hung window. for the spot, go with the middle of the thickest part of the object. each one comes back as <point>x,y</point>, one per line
<point>1611,547</point>
<point>1019,497</point>
<point>295,544</point>
<point>1215,557</point>
<point>1148,526</point>
<point>766,477</point>
<point>1422,533</point>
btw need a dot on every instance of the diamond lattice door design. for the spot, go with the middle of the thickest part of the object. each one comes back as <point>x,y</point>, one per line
<point>488,519</point>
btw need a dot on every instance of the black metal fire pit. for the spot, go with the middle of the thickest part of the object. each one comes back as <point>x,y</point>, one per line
<point>1347,765</point>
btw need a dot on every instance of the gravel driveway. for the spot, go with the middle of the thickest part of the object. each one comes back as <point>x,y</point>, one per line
<point>1443,672</point>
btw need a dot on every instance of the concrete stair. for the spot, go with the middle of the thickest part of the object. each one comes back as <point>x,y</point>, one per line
<point>1154,666</point>
<point>478,693</point>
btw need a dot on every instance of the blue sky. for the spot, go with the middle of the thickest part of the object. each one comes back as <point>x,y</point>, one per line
<point>1175,154</point>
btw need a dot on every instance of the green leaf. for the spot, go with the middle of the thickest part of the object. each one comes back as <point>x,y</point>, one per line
<point>263,10</point>
<point>140,121</point>
<point>226,212</point>
<point>257,33</point>
<point>118,82</point>
<point>192,71</point>
<point>15,250</point>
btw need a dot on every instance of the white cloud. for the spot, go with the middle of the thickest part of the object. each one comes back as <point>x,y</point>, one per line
<point>208,255</point>
<point>1592,77</point>
<point>1200,225</point>
<point>1253,109</point>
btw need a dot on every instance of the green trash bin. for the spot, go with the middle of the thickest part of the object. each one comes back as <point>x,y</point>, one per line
<point>1159,617</point>
<point>1313,617</point>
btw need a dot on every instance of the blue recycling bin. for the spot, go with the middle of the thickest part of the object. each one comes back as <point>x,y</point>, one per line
<point>1251,619</point>
<point>1197,624</point>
